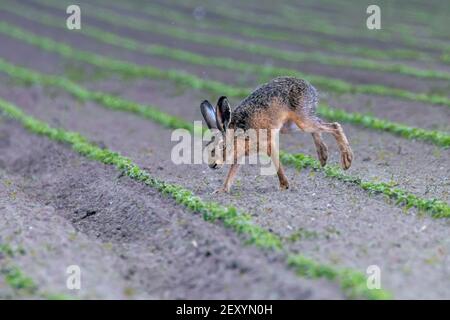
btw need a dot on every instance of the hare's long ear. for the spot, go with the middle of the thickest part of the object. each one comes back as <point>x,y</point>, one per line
<point>223,113</point>
<point>209,114</point>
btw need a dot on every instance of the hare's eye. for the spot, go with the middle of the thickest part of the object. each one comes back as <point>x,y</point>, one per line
<point>213,152</point>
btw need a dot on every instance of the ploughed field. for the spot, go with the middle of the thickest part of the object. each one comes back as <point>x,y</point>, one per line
<point>86,176</point>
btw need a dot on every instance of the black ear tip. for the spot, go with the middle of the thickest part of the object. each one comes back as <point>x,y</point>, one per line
<point>206,105</point>
<point>222,99</point>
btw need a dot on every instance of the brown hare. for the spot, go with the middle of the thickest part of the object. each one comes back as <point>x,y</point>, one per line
<point>273,106</point>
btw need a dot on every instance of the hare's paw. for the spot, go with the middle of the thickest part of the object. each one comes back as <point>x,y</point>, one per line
<point>346,158</point>
<point>322,154</point>
<point>284,185</point>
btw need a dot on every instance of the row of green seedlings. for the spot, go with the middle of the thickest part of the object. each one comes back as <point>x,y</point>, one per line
<point>158,11</point>
<point>310,23</point>
<point>434,207</point>
<point>353,283</point>
<point>22,285</point>
<point>130,69</point>
<point>228,42</point>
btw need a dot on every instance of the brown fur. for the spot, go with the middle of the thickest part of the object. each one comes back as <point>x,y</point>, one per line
<point>276,105</point>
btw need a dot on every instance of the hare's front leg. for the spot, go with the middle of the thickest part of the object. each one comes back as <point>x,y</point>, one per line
<point>229,180</point>
<point>284,183</point>
<point>274,154</point>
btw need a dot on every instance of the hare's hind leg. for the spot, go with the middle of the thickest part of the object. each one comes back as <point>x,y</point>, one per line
<point>316,126</point>
<point>321,147</point>
<point>344,147</point>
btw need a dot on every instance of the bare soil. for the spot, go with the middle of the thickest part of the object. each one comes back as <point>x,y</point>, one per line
<point>129,241</point>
